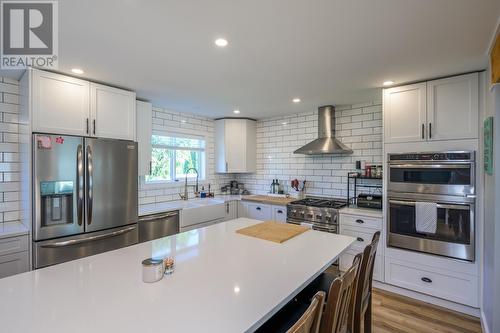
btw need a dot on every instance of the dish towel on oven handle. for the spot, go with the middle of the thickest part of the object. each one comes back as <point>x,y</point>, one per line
<point>426,217</point>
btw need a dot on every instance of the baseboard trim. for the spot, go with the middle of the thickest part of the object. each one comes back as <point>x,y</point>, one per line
<point>484,323</point>
<point>429,299</point>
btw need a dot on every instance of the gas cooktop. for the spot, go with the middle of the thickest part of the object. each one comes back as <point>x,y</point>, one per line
<point>321,202</point>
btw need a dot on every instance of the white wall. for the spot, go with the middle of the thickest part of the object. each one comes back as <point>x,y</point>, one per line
<point>9,151</point>
<point>358,126</point>
<point>165,121</point>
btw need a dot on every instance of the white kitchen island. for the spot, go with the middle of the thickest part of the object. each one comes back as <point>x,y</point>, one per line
<point>223,282</point>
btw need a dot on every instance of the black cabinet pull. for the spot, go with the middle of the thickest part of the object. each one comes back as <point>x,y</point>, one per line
<point>93,122</point>
<point>430,130</point>
<point>359,239</point>
<point>280,211</point>
<point>426,280</point>
<point>258,208</point>
<point>87,125</point>
<point>423,130</point>
<point>360,221</point>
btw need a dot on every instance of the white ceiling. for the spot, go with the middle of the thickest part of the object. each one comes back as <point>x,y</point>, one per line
<point>323,51</point>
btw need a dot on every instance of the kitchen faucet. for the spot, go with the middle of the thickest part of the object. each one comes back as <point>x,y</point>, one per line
<point>185,195</point>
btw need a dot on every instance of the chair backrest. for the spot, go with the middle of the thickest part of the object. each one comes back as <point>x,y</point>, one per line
<point>364,280</point>
<point>338,304</point>
<point>309,322</point>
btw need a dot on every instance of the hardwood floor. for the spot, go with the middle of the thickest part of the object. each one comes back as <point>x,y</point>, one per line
<point>394,313</point>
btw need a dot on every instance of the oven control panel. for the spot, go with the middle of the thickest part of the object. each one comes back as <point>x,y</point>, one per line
<point>435,156</point>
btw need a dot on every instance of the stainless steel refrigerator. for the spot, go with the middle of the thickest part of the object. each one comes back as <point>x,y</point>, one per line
<point>84,197</point>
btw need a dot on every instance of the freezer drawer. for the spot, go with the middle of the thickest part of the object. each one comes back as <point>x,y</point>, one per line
<point>158,225</point>
<point>55,251</point>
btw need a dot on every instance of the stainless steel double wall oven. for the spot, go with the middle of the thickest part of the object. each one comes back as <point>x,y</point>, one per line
<point>444,178</point>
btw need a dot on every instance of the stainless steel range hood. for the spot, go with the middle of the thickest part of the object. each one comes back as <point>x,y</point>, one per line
<point>326,143</point>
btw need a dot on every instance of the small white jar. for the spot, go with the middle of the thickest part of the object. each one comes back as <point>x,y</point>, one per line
<point>152,270</point>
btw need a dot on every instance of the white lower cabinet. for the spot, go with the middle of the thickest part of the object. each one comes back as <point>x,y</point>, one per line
<point>362,226</point>
<point>450,285</point>
<point>231,210</point>
<point>279,213</point>
<point>346,259</point>
<point>263,212</point>
<point>14,255</point>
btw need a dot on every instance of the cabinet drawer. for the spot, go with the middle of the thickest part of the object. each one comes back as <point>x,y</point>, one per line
<point>363,237</point>
<point>258,211</point>
<point>13,244</point>
<point>452,286</point>
<point>279,214</point>
<point>14,264</point>
<point>346,259</point>
<point>361,221</point>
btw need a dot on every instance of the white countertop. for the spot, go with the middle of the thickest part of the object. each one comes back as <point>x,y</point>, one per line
<point>223,282</point>
<point>352,210</point>
<point>12,229</point>
<point>181,204</point>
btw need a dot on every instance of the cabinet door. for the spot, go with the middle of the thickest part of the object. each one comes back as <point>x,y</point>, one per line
<point>453,107</point>
<point>231,210</point>
<point>113,112</point>
<point>235,144</point>
<point>404,113</point>
<point>60,104</point>
<point>14,263</point>
<point>279,213</point>
<point>258,211</point>
<point>144,124</point>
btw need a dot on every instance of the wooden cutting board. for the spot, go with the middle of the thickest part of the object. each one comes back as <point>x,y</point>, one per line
<point>282,201</point>
<point>273,231</point>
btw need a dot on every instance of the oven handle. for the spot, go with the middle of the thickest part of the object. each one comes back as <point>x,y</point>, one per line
<point>412,203</point>
<point>431,166</point>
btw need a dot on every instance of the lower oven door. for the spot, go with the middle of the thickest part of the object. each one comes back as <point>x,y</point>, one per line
<point>454,236</point>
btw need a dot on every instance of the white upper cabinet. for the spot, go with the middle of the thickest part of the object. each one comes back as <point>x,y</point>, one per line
<point>144,124</point>
<point>60,104</point>
<point>443,109</point>
<point>235,145</point>
<point>404,113</point>
<point>452,107</point>
<point>113,112</point>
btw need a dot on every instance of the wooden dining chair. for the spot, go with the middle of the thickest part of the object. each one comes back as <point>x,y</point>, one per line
<point>362,298</point>
<point>309,322</point>
<point>339,306</point>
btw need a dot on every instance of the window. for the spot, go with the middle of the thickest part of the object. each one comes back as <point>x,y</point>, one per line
<point>173,155</point>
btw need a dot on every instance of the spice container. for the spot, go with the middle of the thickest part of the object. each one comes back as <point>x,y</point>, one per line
<point>152,270</point>
<point>169,265</point>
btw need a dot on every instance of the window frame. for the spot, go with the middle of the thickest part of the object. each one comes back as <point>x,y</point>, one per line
<point>202,154</point>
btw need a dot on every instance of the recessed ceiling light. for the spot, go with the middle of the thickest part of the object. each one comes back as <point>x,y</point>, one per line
<point>284,123</point>
<point>221,42</point>
<point>77,71</point>
<point>296,100</point>
<point>388,83</point>
<point>236,111</point>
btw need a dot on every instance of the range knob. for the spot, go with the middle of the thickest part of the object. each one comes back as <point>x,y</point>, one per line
<point>319,216</point>
<point>294,211</point>
<point>435,157</point>
<point>302,213</point>
<point>328,217</point>
<point>310,215</point>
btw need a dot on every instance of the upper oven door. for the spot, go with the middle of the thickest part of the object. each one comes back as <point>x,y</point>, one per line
<point>455,178</point>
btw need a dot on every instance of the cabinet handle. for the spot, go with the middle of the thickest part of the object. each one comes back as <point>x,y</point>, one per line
<point>279,211</point>
<point>359,239</point>
<point>87,125</point>
<point>150,167</point>
<point>226,166</point>
<point>423,131</point>
<point>360,221</point>
<point>430,130</point>
<point>93,123</point>
<point>258,208</point>
<point>227,208</point>
<point>426,280</point>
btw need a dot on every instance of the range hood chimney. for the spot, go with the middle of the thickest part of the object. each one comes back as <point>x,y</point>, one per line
<point>326,143</point>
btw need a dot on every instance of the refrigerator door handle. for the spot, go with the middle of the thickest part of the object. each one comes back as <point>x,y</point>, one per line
<point>90,184</point>
<point>79,183</point>
<point>89,239</point>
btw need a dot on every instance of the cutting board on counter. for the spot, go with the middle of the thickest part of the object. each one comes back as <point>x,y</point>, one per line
<point>273,231</point>
<point>281,201</point>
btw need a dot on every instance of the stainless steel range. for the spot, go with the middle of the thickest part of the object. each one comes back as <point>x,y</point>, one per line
<point>321,213</point>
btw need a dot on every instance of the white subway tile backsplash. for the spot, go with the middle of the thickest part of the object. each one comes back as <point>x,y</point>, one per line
<point>358,126</point>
